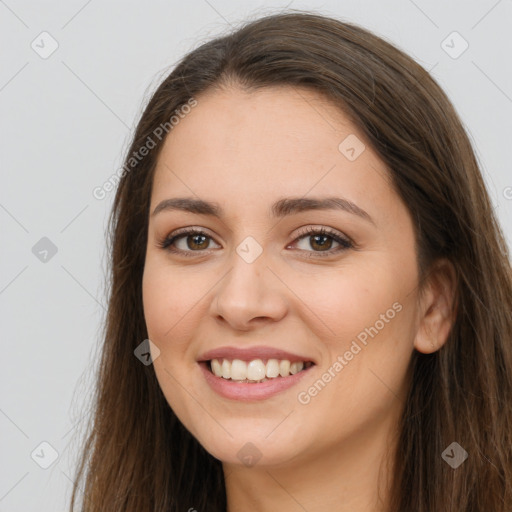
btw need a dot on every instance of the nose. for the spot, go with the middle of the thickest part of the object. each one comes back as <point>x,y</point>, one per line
<point>249,295</point>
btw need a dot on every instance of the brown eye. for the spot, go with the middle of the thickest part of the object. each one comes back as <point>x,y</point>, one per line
<point>196,241</point>
<point>321,240</point>
<point>187,242</point>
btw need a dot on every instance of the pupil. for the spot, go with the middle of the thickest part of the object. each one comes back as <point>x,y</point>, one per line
<point>322,245</point>
<point>194,237</point>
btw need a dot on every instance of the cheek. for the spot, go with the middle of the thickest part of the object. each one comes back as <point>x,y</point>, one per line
<point>366,316</point>
<point>169,315</point>
<point>169,301</point>
<point>344,301</point>
<point>364,368</point>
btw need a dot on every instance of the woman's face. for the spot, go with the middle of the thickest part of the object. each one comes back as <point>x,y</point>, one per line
<point>261,285</point>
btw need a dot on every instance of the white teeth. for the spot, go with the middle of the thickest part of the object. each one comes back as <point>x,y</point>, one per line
<point>238,370</point>
<point>284,368</point>
<point>226,369</point>
<point>216,367</point>
<point>272,369</point>
<point>296,367</point>
<point>255,370</point>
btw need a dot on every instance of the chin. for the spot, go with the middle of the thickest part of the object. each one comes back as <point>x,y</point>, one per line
<point>243,452</point>
<point>248,446</point>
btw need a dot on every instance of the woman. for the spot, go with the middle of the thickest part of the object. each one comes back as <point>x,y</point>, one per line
<point>310,293</point>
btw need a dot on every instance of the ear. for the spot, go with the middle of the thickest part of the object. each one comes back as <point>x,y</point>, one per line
<point>437,307</point>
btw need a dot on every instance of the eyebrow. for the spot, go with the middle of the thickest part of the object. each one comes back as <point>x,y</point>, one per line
<point>281,208</point>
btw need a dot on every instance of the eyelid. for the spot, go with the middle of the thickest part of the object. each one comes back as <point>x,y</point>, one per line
<point>167,241</point>
<point>344,241</point>
<point>313,229</point>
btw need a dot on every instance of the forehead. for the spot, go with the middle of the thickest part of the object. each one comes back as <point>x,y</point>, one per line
<point>265,143</point>
<point>287,122</point>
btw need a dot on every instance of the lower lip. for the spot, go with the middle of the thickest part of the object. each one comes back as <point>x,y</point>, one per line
<point>246,391</point>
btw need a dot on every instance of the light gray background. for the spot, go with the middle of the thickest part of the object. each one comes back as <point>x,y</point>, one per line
<point>65,122</point>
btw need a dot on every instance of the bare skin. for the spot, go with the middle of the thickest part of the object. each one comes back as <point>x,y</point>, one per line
<point>329,450</point>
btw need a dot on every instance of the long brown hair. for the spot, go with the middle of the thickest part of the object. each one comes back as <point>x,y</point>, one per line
<point>138,456</point>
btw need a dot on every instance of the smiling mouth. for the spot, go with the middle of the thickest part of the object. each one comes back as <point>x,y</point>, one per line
<point>256,370</point>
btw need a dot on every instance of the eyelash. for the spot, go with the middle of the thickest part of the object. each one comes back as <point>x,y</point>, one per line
<point>345,243</point>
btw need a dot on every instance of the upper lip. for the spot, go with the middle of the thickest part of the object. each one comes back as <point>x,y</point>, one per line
<point>251,353</point>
